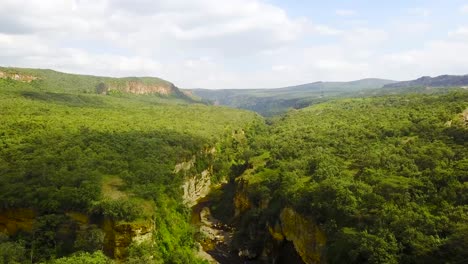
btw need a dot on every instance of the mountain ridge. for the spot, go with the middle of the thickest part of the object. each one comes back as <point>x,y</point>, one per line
<point>438,81</point>
<point>273,101</point>
<point>79,83</point>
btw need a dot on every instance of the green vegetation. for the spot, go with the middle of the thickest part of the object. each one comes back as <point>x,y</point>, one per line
<point>270,102</point>
<point>104,156</point>
<point>385,177</point>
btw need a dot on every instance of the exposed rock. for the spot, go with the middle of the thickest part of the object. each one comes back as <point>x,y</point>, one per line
<point>308,239</point>
<point>217,237</point>
<point>119,236</point>
<point>14,220</point>
<point>139,87</point>
<point>465,116</point>
<point>247,254</point>
<point>196,187</point>
<point>17,77</point>
<point>185,165</point>
<point>242,202</point>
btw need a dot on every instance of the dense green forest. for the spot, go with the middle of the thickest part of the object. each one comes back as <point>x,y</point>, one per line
<point>384,174</point>
<point>105,156</point>
<point>385,177</point>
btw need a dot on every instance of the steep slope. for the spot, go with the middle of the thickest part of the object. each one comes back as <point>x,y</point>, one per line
<point>73,83</point>
<point>439,81</point>
<point>269,102</point>
<point>362,180</point>
<point>86,172</point>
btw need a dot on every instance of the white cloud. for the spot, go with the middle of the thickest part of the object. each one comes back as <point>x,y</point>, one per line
<point>345,12</point>
<point>142,37</point>
<point>366,37</point>
<point>464,9</point>
<point>460,32</point>
<point>326,30</point>
<point>418,11</point>
<point>220,44</point>
<point>434,58</point>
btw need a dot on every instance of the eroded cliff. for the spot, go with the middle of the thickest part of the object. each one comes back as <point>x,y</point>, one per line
<point>18,77</point>
<point>271,240</point>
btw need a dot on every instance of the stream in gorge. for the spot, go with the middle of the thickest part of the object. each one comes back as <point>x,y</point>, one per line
<point>215,236</point>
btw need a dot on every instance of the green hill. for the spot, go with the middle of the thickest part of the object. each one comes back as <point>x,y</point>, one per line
<point>269,102</point>
<point>363,180</point>
<point>81,171</point>
<point>49,80</point>
<point>97,169</point>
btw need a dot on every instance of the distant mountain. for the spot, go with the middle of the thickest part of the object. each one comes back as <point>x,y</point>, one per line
<point>439,81</point>
<point>269,102</point>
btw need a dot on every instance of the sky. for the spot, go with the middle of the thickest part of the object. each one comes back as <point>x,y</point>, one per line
<point>238,43</point>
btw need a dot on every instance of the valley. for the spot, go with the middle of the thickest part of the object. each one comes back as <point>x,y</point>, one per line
<point>134,170</point>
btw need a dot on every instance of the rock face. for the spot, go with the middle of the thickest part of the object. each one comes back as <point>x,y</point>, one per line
<point>241,201</point>
<point>196,185</point>
<point>118,236</point>
<point>14,220</point>
<point>17,77</point>
<point>308,239</point>
<point>138,87</point>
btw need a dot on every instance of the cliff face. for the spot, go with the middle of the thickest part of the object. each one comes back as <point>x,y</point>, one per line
<point>307,239</point>
<point>196,185</point>
<point>138,87</point>
<point>17,77</point>
<point>14,220</point>
<point>117,235</point>
<point>241,201</point>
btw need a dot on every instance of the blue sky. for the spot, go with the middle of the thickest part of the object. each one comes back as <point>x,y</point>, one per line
<point>237,43</point>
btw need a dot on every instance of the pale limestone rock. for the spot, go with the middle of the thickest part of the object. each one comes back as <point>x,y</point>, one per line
<point>308,239</point>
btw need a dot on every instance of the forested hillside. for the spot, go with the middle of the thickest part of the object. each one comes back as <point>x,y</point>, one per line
<point>78,169</point>
<point>384,178</point>
<point>97,169</point>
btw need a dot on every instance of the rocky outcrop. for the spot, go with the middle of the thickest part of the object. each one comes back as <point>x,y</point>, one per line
<point>308,239</point>
<point>464,116</point>
<point>17,77</point>
<point>241,201</point>
<point>14,220</point>
<point>119,236</point>
<point>138,87</point>
<point>196,185</point>
<point>117,239</point>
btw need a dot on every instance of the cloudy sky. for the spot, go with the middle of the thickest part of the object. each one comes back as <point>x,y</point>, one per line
<point>238,43</point>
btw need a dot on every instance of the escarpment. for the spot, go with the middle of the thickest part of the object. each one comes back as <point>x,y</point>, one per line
<point>197,184</point>
<point>290,237</point>
<point>139,87</point>
<point>114,237</point>
<point>18,77</point>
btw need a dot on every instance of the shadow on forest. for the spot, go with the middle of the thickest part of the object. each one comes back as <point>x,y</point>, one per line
<point>74,100</point>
